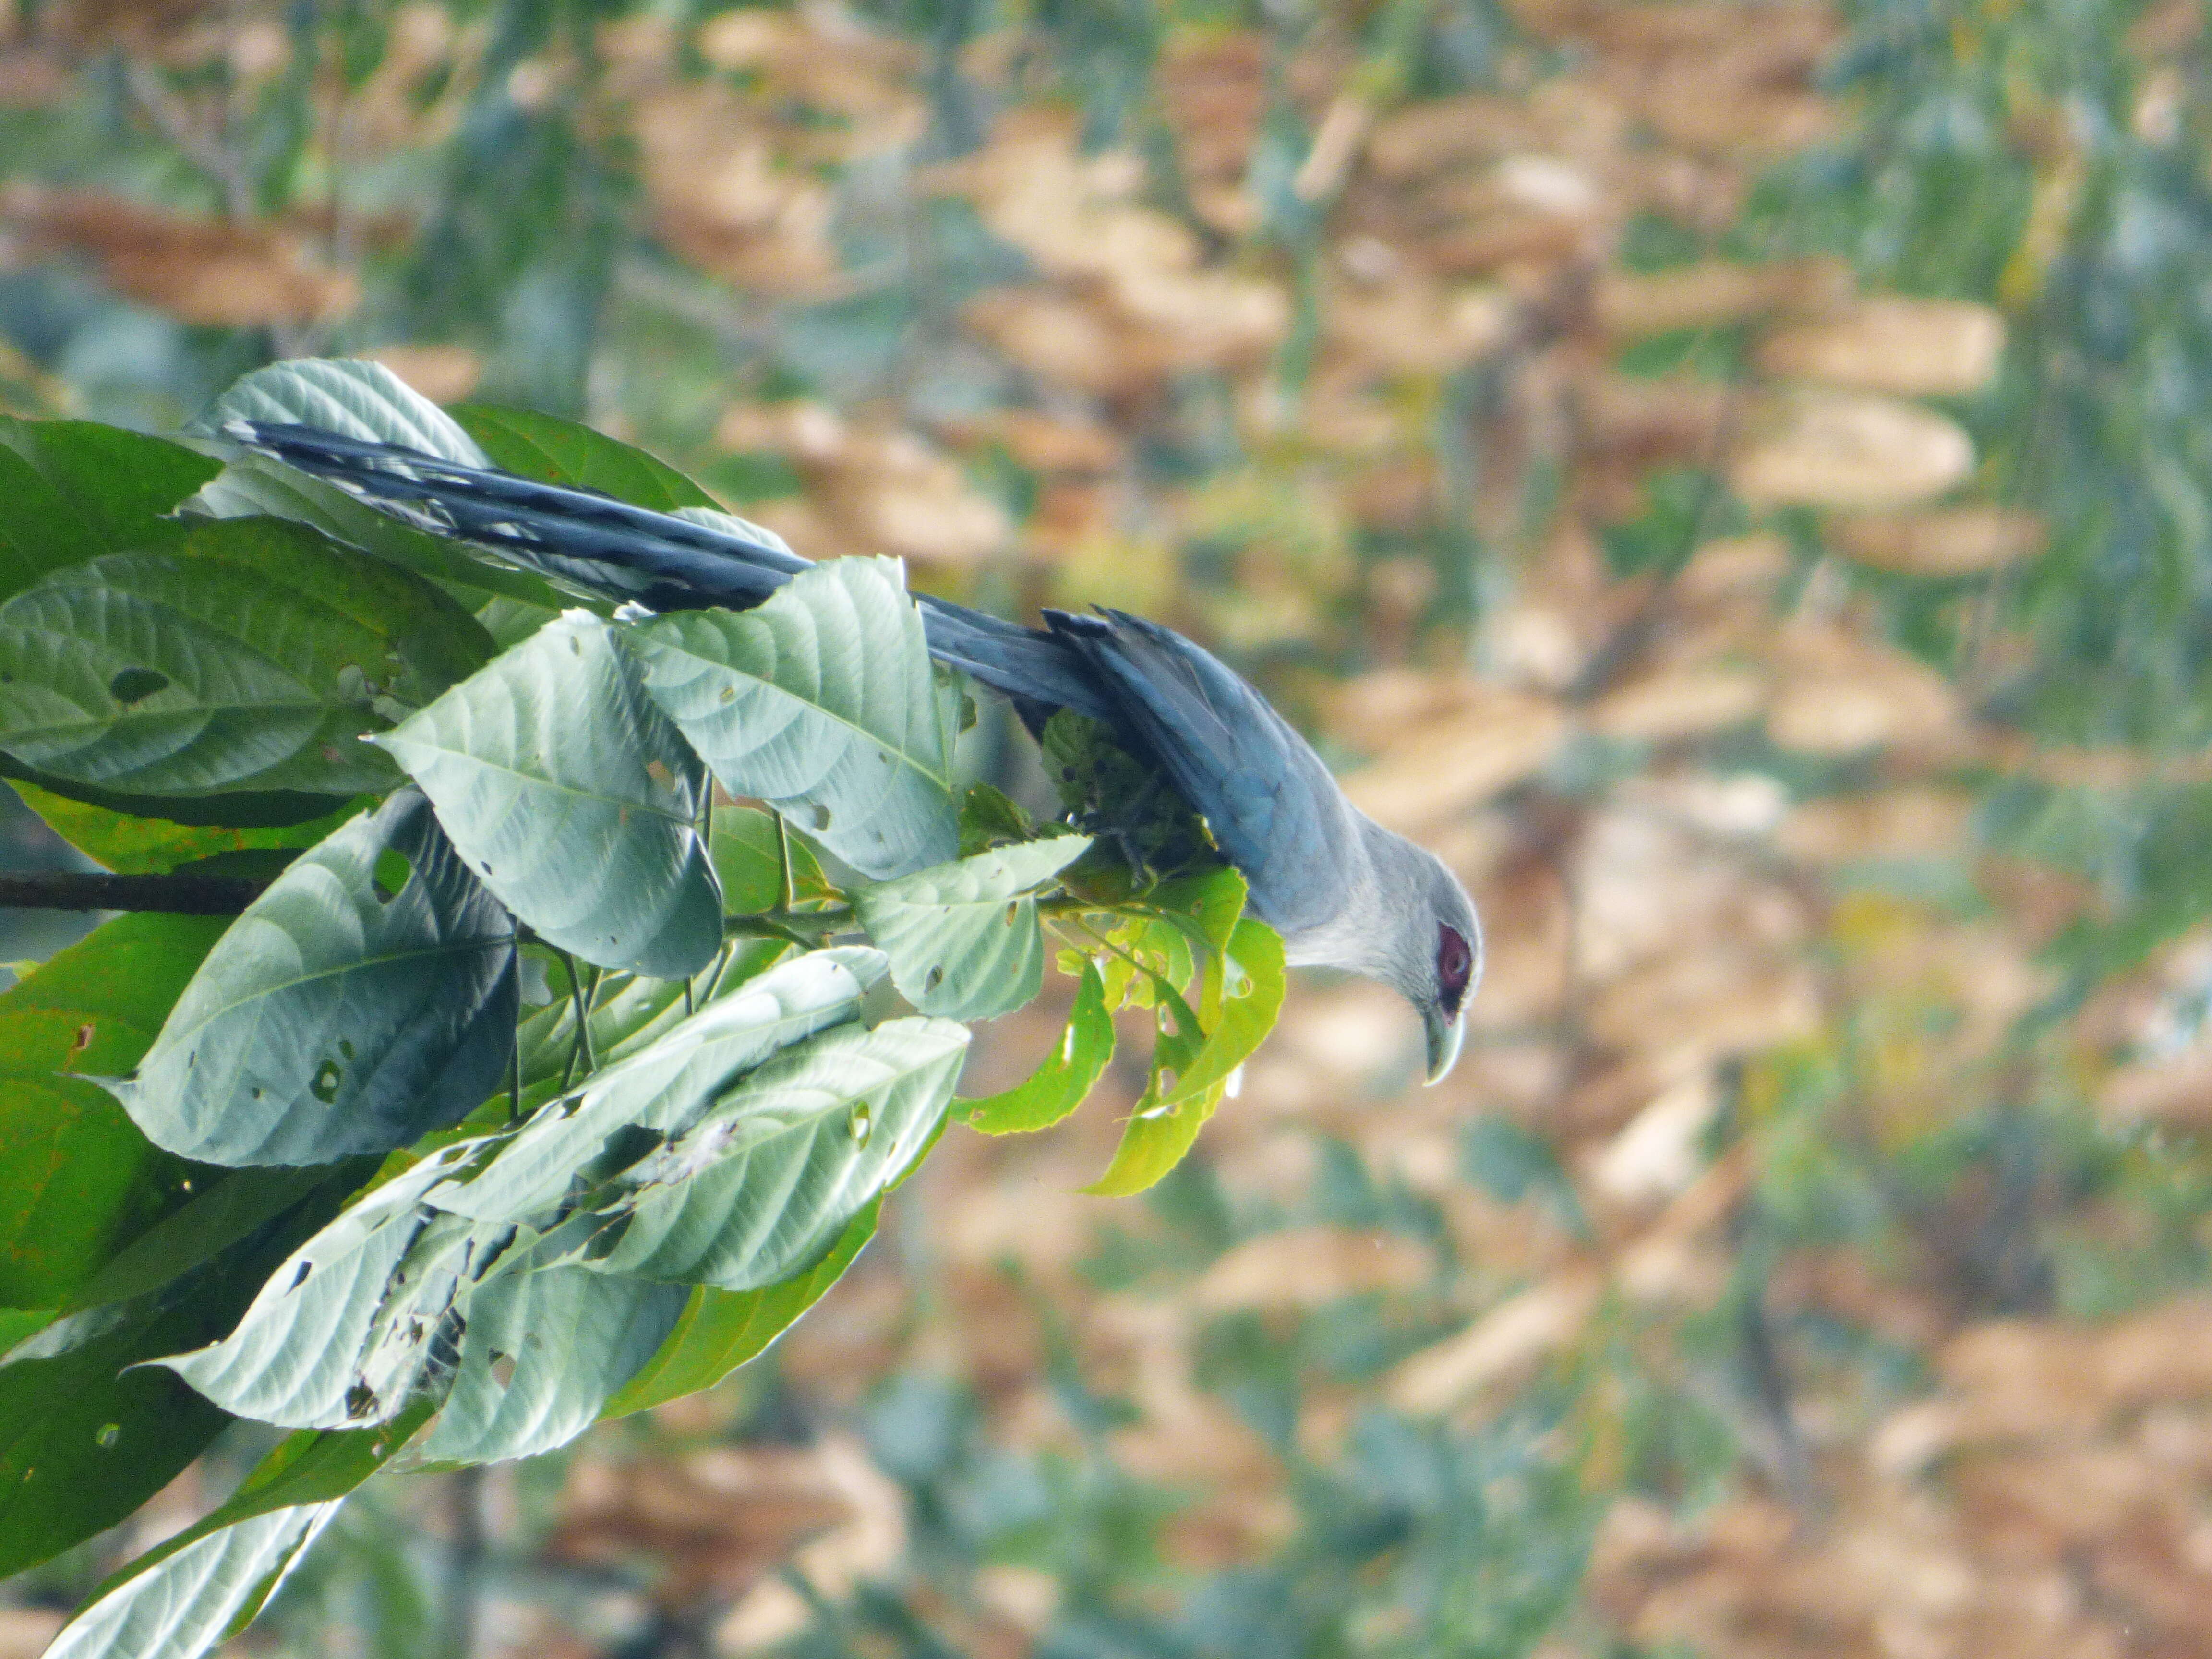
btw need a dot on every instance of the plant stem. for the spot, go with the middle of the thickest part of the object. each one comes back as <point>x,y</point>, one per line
<point>186,895</point>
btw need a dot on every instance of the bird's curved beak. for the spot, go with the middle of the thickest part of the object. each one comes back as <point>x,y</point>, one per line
<point>1444,1037</point>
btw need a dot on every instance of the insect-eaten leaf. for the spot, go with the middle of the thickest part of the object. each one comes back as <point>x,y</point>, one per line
<point>962,939</point>
<point>362,1000</point>
<point>824,702</point>
<point>250,655</point>
<point>574,800</point>
<point>761,1186</point>
<point>543,1352</point>
<point>1058,1086</point>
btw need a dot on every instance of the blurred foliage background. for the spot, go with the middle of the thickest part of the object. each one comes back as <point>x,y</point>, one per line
<point>1736,477</point>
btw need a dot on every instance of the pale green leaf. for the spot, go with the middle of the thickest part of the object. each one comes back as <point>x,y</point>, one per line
<point>962,939</point>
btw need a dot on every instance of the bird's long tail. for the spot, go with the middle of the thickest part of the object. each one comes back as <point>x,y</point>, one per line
<point>663,561</point>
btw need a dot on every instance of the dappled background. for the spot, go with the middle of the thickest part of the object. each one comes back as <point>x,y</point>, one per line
<point>1736,479</point>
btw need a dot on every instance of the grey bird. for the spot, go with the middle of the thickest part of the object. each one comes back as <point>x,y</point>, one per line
<point>1343,891</point>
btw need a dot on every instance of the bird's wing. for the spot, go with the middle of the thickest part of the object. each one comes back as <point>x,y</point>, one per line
<point>1270,800</point>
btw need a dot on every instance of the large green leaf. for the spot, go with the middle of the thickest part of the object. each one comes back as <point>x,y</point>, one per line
<point>962,938</point>
<point>720,1330</point>
<point>822,701</point>
<point>85,1436</point>
<point>1057,1086</point>
<point>345,395</point>
<point>71,490</point>
<point>350,1009</point>
<point>660,1089</point>
<point>191,1591</point>
<point>132,845</point>
<point>255,485</point>
<point>574,800</point>
<point>554,451</point>
<point>759,1188</point>
<point>345,1330</point>
<point>342,1332</point>
<point>250,655</point>
<point>543,1351</point>
<point>77,1178</point>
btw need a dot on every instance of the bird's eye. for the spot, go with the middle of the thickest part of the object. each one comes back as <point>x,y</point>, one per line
<point>1455,962</point>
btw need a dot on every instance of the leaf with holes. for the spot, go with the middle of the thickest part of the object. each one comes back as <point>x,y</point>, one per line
<point>1058,1086</point>
<point>353,398</point>
<point>821,701</point>
<point>574,800</point>
<point>964,938</point>
<point>342,1333</point>
<point>251,655</point>
<point>720,1330</point>
<point>366,998</point>
<point>543,1351</point>
<point>661,1089</point>
<point>761,1186</point>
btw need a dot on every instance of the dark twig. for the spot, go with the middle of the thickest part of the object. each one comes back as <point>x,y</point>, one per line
<point>179,895</point>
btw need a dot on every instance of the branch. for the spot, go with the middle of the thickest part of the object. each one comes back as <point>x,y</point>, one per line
<point>184,895</point>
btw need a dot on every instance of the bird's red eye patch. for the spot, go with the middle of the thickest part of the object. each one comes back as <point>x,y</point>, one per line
<point>1454,962</point>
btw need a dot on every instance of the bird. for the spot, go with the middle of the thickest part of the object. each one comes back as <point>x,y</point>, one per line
<point>1341,890</point>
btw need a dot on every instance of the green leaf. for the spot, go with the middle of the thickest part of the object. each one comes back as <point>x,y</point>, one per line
<point>574,799</point>
<point>190,1592</point>
<point>351,1009</point>
<point>748,848</point>
<point>350,396</point>
<point>345,1331</point>
<point>243,809</point>
<point>341,1333</point>
<point>77,1178</point>
<point>251,655</point>
<point>257,485</point>
<point>720,1330</point>
<point>85,1435</point>
<point>964,938</point>
<point>136,846</point>
<point>759,1188</point>
<point>989,817</point>
<point>1057,1087</point>
<point>557,451</point>
<point>661,1089</point>
<point>1191,1070</point>
<point>543,1351</point>
<point>71,490</point>
<point>822,701</point>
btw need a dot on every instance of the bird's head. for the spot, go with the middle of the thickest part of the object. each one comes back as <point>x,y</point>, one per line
<point>1431,947</point>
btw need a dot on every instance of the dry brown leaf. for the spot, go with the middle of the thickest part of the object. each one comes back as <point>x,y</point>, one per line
<point>1446,766</point>
<point>1837,693</point>
<point>1306,1266</point>
<point>1909,348</point>
<point>443,374</point>
<point>1961,541</point>
<point>1515,1335</point>
<point>1631,306</point>
<point>1673,703</point>
<point>1849,450</point>
<point>1903,823</point>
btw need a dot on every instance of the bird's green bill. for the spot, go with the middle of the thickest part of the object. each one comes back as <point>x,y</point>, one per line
<point>1444,1037</point>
